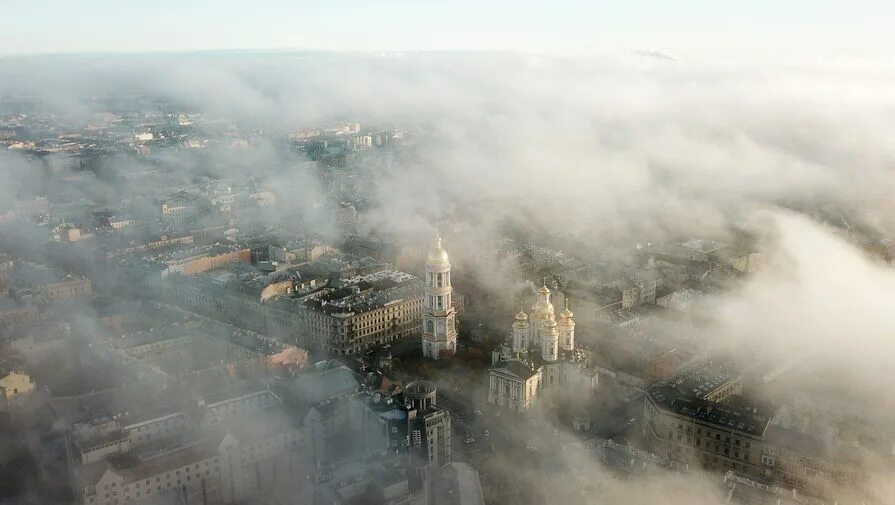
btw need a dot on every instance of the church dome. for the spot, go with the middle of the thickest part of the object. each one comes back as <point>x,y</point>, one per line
<point>437,255</point>
<point>521,316</point>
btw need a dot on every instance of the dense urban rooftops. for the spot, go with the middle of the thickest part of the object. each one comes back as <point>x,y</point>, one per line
<point>688,394</point>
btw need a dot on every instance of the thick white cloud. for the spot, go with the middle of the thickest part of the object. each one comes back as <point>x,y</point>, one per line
<point>820,298</point>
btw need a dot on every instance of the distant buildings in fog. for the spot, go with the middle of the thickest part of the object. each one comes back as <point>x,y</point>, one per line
<point>221,451</point>
<point>705,417</point>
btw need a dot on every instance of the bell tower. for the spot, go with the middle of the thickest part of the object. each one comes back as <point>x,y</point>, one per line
<point>439,320</point>
<point>567,328</point>
<point>521,332</point>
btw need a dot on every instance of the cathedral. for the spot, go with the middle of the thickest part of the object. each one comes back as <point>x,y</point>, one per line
<point>439,317</point>
<point>539,356</point>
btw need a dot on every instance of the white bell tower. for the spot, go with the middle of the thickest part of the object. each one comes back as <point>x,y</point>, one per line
<point>521,332</point>
<point>439,320</point>
<point>567,328</point>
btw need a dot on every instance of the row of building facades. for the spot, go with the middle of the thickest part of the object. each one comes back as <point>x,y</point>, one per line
<point>287,442</point>
<point>699,418</point>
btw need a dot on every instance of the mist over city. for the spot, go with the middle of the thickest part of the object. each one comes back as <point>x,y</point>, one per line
<point>531,260</point>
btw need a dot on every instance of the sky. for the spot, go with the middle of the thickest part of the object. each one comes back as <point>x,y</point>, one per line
<point>761,29</point>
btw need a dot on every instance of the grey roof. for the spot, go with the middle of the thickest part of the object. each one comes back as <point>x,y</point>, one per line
<point>516,368</point>
<point>670,398</point>
<point>318,386</point>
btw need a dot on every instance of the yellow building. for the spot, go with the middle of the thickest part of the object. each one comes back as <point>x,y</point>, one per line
<point>15,384</point>
<point>67,288</point>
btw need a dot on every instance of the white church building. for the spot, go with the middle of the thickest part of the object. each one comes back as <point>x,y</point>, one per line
<point>538,357</point>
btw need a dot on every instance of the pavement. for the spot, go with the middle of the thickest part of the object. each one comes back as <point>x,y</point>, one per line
<point>468,484</point>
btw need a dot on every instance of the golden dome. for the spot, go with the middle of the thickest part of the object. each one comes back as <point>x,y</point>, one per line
<point>437,255</point>
<point>521,316</point>
<point>544,289</point>
<point>566,312</point>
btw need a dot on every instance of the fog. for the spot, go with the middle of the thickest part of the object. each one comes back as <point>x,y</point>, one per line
<point>607,154</point>
<point>604,147</point>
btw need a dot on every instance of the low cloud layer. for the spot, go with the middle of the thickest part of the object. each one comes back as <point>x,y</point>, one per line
<point>610,149</point>
<point>612,153</point>
<point>821,299</point>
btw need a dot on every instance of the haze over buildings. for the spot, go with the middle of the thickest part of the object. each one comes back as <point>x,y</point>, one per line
<point>495,253</point>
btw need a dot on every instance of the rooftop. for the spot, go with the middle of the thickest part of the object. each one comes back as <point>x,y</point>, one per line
<point>317,386</point>
<point>685,394</point>
<point>366,292</point>
<point>516,368</point>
